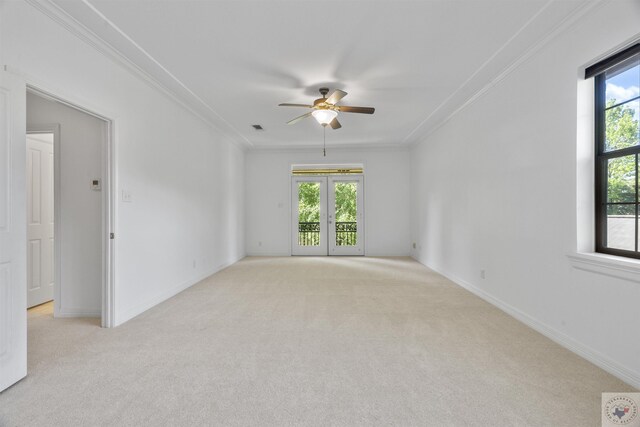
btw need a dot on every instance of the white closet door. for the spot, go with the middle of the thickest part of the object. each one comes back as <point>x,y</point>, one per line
<point>39,218</point>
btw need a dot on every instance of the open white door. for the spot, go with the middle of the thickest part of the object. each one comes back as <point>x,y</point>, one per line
<point>309,203</point>
<point>13,232</point>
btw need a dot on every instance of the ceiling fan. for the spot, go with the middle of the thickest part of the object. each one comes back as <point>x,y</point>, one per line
<point>325,110</point>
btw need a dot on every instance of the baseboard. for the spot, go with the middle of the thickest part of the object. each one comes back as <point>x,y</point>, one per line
<point>121,318</point>
<point>77,312</point>
<point>387,254</point>
<point>268,254</point>
<point>614,368</point>
<point>374,254</point>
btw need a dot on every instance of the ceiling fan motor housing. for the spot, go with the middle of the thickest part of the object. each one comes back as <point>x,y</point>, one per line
<point>323,91</point>
<point>319,101</point>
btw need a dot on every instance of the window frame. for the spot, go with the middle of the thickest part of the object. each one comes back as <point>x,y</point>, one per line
<point>598,71</point>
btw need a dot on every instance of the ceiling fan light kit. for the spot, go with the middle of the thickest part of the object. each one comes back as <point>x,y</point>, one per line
<point>324,117</point>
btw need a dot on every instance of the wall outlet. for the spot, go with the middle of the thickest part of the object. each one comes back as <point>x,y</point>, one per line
<point>414,245</point>
<point>482,274</point>
<point>194,263</point>
<point>126,196</point>
<point>259,243</point>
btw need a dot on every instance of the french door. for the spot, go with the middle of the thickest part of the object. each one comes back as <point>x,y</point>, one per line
<point>346,215</point>
<point>309,216</point>
<point>327,215</point>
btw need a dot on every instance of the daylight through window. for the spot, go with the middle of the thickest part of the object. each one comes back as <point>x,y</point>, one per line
<point>617,113</point>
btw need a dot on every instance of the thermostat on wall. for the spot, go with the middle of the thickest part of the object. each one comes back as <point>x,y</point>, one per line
<point>95,184</point>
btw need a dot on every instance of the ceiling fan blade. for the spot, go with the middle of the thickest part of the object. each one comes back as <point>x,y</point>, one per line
<point>297,119</point>
<point>363,110</point>
<point>295,105</point>
<point>335,124</point>
<point>336,96</point>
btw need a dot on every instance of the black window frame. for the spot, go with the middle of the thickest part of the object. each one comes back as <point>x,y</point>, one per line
<point>598,71</point>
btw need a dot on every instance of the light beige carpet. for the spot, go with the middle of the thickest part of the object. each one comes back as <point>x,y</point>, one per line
<point>307,341</point>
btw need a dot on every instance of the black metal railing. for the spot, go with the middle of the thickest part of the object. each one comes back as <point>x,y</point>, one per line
<point>346,233</point>
<point>309,233</point>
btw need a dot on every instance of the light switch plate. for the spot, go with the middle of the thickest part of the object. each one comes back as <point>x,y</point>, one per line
<point>95,185</point>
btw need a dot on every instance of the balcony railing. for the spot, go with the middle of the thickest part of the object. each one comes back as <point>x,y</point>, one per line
<point>309,233</point>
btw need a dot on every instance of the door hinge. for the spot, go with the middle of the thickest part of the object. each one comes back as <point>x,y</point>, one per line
<point>112,235</point>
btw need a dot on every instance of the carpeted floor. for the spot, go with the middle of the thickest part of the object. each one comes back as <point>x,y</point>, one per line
<point>306,341</point>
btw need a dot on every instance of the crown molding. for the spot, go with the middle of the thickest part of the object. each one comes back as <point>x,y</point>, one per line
<point>417,137</point>
<point>120,48</point>
<point>342,147</point>
<point>159,79</point>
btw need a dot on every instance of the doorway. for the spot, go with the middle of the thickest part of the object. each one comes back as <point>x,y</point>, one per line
<point>67,196</point>
<point>327,215</point>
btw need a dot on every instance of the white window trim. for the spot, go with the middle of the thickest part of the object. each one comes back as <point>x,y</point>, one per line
<point>608,265</point>
<point>585,239</point>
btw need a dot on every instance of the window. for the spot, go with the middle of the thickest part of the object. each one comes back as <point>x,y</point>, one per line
<point>617,157</point>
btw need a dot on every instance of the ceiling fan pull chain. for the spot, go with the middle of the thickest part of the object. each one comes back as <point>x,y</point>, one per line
<point>324,140</point>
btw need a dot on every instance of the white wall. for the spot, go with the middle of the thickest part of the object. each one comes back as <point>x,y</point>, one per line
<point>386,197</point>
<point>495,189</point>
<point>186,181</point>
<point>80,145</point>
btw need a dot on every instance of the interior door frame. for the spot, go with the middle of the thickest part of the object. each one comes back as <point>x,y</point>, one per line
<point>108,204</point>
<point>324,235</point>
<point>333,249</point>
<point>55,130</point>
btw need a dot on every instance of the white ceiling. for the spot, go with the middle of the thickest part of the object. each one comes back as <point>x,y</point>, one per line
<point>416,62</point>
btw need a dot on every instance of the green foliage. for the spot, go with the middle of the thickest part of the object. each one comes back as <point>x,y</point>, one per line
<point>621,132</point>
<point>346,198</point>
<point>622,128</point>
<point>309,202</point>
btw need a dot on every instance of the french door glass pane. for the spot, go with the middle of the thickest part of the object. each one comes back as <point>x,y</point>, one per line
<point>309,213</point>
<point>621,227</point>
<point>346,213</point>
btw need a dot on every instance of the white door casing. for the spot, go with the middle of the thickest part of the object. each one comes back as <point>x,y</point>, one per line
<point>334,248</point>
<point>327,244</point>
<point>40,215</point>
<point>321,247</point>
<point>13,232</point>
<point>38,124</point>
